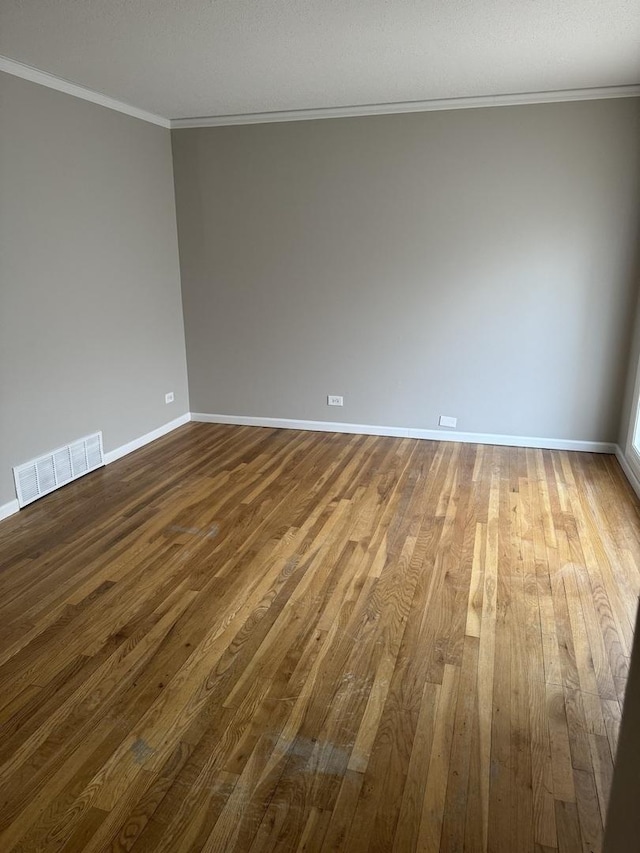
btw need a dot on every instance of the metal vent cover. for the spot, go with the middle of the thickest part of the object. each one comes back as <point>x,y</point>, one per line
<point>46,473</point>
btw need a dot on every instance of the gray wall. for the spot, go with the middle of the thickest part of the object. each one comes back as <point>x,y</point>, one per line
<point>91,330</point>
<point>477,263</point>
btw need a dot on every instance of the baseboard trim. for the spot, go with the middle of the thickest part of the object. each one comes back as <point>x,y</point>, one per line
<point>13,507</point>
<point>515,440</point>
<point>8,509</point>
<point>626,469</point>
<point>408,432</point>
<point>137,443</point>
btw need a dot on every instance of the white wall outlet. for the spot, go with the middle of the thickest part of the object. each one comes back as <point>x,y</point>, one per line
<point>168,398</point>
<point>335,400</point>
<point>446,421</point>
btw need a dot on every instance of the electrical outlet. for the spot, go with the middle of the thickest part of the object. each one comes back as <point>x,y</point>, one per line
<point>448,422</point>
<point>335,400</point>
<point>168,398</point>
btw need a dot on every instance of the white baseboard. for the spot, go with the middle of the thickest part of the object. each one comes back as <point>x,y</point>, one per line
<point>137,443</point>
<point>8,509</point>
<point>288,423</point>
<point>631,477</point>
<point>515,440</point>
<point>12,507</point>
<point>408,432</point>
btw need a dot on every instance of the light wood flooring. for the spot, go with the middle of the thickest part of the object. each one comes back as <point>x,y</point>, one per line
<point>244,639</point>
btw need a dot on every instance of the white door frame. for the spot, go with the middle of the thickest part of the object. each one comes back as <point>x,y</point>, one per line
<point>632,456</point>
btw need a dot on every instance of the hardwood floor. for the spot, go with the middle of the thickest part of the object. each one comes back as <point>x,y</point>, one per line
<point>252,639</point>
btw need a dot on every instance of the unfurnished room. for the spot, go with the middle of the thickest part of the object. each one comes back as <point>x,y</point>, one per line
<point>320,426</point>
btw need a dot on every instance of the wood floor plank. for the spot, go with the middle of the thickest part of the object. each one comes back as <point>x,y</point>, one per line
<point>254,639</point>
<point>433,806</point>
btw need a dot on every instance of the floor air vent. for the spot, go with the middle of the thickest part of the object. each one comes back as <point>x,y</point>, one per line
<point>47,473</point>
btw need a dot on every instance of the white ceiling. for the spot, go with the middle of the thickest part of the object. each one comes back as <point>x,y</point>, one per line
<point>192,58</point>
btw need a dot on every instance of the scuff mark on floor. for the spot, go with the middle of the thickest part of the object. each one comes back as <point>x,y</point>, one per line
<point>210,533</point>
<point>141,750</point>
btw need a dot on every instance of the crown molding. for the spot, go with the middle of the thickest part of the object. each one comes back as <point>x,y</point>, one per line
<point>27,72</point>
<point>552,97</point>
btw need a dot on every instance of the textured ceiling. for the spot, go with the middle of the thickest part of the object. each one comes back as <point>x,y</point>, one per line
<point>183,58</point>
